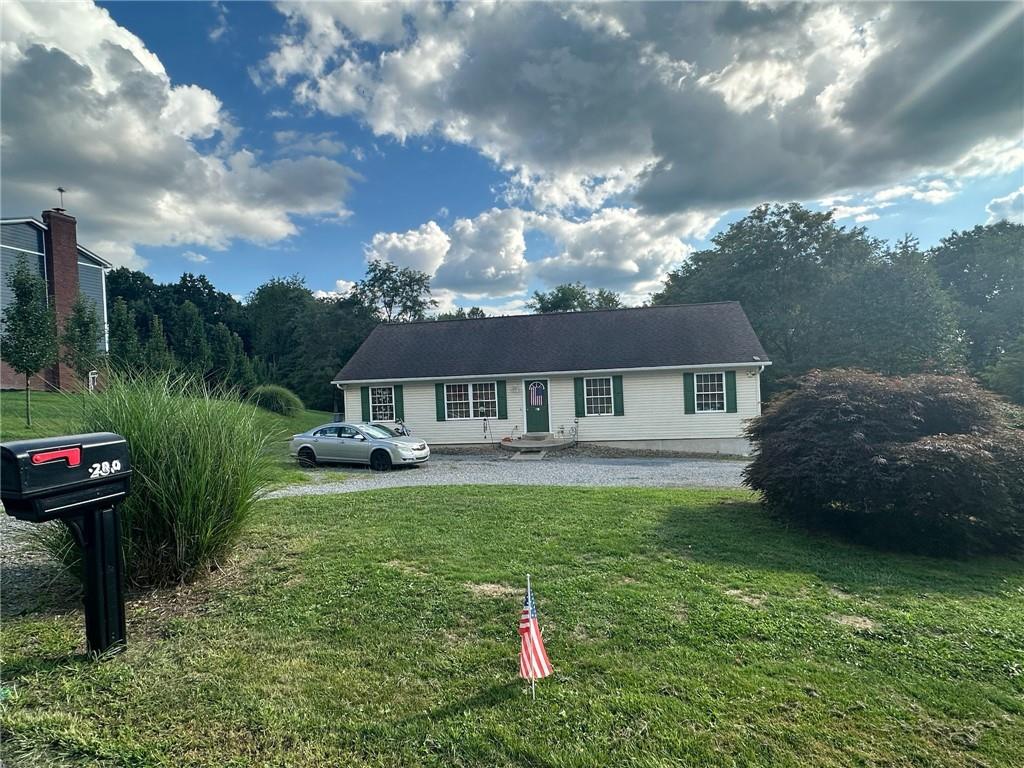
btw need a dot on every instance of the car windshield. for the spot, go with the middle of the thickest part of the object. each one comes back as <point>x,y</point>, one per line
<point>389,430</point>
<point>374,431</point>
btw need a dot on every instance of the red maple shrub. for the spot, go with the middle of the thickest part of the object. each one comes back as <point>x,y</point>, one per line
<point>922,463</point>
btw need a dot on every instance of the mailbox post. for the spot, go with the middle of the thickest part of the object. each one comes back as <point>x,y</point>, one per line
<point>79,480</point>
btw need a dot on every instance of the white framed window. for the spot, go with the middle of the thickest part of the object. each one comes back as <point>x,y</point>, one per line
<point>471,401</point>
<point>709,392</point>
<point>382,403</point>
<point>598,396</point>
<point>485,400</point>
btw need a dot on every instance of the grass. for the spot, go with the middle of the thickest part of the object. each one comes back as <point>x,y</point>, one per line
<point>685,628</point>
<point>55,413</point>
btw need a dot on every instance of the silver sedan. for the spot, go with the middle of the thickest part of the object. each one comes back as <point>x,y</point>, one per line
<point>358,444</point>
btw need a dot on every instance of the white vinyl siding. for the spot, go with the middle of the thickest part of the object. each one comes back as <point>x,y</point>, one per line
<point>597,395</point>
<point>653,411</point>
<point>382,403</point>
<point>477,400</point>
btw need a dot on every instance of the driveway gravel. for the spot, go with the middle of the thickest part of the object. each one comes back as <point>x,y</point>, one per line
<point>501,470</point>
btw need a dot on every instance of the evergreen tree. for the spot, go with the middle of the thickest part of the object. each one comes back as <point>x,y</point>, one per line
<point>190,346</point>
<point>156,354</point>
<point>81,339</point>
<point>222,352</point>
<point>28,342</point>
<point>125,347</point>
<point>1006,375</point>
<point>242,375</point>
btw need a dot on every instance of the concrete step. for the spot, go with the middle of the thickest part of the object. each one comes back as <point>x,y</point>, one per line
<point>528,456</point>
<point>538,436</point>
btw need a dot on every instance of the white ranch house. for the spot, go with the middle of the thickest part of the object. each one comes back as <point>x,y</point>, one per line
<point>683,377</point>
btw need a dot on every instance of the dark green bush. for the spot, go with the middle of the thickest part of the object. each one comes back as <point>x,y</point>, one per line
<point>921,463</point>
<point>198,465</point>
<point>277,399</point>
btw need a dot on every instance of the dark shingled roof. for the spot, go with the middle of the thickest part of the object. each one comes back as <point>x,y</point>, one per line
<point>610,339</point>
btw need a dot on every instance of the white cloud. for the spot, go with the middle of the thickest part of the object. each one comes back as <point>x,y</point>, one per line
<point>748,84</point>
<point>934,191</point>
<point>217,32</point>
<point>486,257</point>
<point>325,143</point>
<point>618,248</point>
<point>673,106</point>
<point>197,258</point>
<point>423,248</point>
<point>342,288</point>
<point>126,144</point>
<point>1009,207</point>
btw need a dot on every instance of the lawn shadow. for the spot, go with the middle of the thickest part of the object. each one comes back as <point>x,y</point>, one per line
<point>488,698</point>
<point>36,587</point>
<point>30,665</point>
<point>742,536</point>
<point>493,696</point>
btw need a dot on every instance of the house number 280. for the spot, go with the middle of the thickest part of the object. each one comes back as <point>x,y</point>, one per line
<point>102,469</point>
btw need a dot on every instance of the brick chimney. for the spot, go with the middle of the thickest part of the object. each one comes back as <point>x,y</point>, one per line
<point>61,240</point>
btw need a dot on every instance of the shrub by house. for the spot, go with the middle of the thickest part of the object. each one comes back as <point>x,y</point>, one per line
<point>922,463</point>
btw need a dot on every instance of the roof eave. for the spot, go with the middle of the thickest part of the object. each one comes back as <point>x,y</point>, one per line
<point>640,369</point>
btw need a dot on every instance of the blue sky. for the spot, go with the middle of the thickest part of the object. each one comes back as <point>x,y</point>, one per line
<point>501,148</point>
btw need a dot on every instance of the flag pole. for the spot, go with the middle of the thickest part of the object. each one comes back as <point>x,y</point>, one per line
<point>533,680</point>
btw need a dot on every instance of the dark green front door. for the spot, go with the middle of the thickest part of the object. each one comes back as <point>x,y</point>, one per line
<point>536,392</point>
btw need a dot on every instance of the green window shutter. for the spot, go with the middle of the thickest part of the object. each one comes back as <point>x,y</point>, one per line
<point>581,404</point>
<point>619,409</point>
<point>399,403</point>
<point>730,391</point>
<point>439,400</point>
<point>688,394</point>
<point>502,400</point>
<point>364,393</point>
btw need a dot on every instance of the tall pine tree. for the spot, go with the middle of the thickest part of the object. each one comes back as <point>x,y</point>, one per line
<point>81,339</point>
<point>156,354</point>
<point>190,346</point>
<point>125,346</point>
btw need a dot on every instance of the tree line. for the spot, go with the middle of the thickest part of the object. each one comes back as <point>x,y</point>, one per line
<point>819,295</point>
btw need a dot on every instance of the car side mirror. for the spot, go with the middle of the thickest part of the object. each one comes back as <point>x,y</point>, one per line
<point>358,437</point>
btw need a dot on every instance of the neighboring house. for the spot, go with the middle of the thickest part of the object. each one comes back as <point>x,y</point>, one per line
<point>683,377</point>
<point>50,247</point>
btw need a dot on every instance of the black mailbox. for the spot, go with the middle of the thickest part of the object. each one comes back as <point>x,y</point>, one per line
<point>80,480</point>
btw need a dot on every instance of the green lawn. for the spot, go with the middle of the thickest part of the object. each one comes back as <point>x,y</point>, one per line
<point>55,414</point>
<point>685,628</point>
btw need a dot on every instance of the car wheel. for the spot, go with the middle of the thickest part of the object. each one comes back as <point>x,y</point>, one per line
<point>380,461</point>
<point>306,457</point>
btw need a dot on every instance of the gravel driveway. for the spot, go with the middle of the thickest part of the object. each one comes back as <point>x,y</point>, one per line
<point>500,470</point>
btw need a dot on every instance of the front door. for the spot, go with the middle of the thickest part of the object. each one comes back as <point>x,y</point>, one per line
<point>537,406</point>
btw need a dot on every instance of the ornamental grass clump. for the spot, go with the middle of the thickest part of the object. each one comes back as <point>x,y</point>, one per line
<point>199,466</point>
<point>923,463</point>
<point>276,399</point>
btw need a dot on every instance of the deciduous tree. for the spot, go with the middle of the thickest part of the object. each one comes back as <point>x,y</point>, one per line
<point>573,297</point>
<point>28,342</point>
<point>396,294</point>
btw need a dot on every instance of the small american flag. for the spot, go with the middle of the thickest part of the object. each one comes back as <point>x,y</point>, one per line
<point>533,659</point>
<point>537,394</point>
